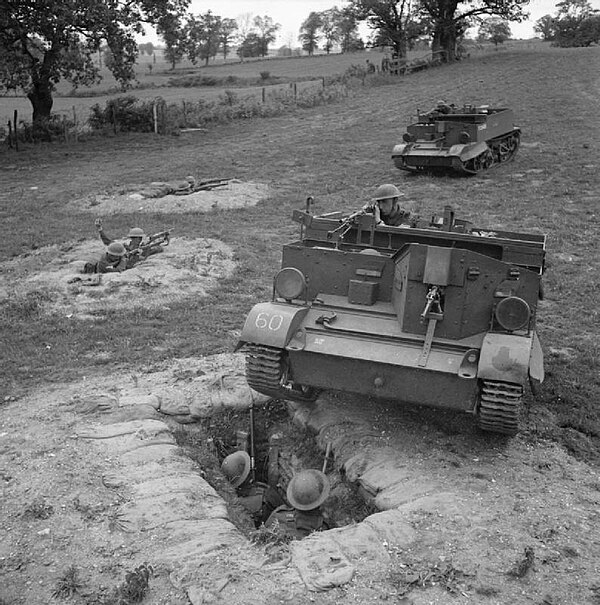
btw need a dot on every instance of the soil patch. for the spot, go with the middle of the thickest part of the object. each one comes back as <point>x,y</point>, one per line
<point>186,268</point>
<point>235,194</point>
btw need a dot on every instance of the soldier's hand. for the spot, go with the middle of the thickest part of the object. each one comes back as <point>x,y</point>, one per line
<point>98,223</point>
<point>377,214</point>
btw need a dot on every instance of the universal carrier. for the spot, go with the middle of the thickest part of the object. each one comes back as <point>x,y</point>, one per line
<point>466,140</point>
<point>442,315</point>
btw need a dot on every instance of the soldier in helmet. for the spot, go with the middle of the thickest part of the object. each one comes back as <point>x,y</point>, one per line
<point>136,236</point>
<point>258,498</point>
<point>387,208</point>
<point>306,492</point>
<point>114,260</point>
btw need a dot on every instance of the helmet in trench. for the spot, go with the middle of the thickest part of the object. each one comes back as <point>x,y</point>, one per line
<point>116,249</point>
<point>136,232</point>
<point>308,489</point>
<point>236,467</point>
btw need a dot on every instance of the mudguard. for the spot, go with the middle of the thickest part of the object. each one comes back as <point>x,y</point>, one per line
<point>467,152</point>
<point>505,357</point>
<point>399,149</point>
<point>271,324</point>
<point>536,364</point>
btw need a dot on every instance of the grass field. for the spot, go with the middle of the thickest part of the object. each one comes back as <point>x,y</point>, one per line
<point>337,153</point>
<point>156,83</point>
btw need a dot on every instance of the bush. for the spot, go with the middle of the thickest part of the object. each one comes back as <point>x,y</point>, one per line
<point>123,114</point>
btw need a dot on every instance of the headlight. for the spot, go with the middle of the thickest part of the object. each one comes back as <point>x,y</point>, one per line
<point>290,283</point>
<point>464,137</point>
<point>512,313</point>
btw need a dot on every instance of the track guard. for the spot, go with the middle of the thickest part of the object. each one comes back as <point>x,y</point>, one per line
<point>536,365</point>
<point>505,357</point>
<point>271,324</point>
<point>468,152</point>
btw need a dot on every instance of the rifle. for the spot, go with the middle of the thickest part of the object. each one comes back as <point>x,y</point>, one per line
<point>207,185</point>
<point>162,238</point>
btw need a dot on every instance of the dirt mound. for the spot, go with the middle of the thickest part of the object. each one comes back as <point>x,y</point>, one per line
<point>235,194</point>
<point>186,268</point>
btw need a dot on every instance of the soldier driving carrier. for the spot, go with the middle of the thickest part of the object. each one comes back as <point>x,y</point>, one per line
<point>441,314</point>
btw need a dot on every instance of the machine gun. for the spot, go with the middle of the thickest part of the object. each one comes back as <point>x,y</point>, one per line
<point>346,225</point>
<point>162,238</point>
<point>207,185</point>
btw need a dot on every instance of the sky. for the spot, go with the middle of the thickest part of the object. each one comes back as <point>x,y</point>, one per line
<point>291,13</point>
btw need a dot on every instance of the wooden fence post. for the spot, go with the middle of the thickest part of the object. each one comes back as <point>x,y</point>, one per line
<point>264,94</point>
<point>75,123</point>
<point>155,117</point>
<point>15,130</point>
<point>10,134</point>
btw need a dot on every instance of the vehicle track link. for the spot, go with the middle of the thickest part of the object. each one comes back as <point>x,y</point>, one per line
<point>500,407</point>
<point>267,373</point>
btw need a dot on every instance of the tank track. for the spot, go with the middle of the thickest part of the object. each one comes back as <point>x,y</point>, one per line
<point>505,147</point>
<point>501,149</point>
<point>267,373</point>
<point>499,407</point>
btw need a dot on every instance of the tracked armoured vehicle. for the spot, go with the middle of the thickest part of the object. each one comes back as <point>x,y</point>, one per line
<point>442,314</point>
<point>467,140</point>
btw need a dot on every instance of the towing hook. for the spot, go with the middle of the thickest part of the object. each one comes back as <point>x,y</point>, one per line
<point>325,320</point>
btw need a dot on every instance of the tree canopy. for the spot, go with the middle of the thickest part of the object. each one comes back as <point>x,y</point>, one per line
<point>45,41</point>
<point>400,21</point>
<point>576,24</point>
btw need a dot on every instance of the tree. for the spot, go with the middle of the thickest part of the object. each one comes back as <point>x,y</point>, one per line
<point>348,31</point>
<point>245,26</point>
<point>46,41</point>
<point>394,21</point>
<point>451,18</point>
<point>173,35</point>
<point>330,27</point>
<point>494,30</point>
<point>251,46</point>
<point>266,32</point>
<point>202,34</point>
<point>228,29</point>
<point>576,24</point>
<point>309,32</point>
<point>146,49</point>
<point>545,27</point>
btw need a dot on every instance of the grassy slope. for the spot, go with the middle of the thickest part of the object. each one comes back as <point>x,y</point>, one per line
<point>339,153</point>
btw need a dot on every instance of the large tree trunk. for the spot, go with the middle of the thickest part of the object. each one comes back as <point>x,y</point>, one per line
<point>41,101</point>
<point>444,39</point>
<point>445,30</point>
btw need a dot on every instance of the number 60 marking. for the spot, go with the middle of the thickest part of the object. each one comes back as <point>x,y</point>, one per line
<point>270,322</point>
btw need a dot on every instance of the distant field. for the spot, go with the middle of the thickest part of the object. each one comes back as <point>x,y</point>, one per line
<point>155,83</point>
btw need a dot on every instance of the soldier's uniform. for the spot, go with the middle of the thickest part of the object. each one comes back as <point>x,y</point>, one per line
<point>259,499</point>
<point>306,491</point>
<point>136,236</point>
<point>112,261</point>
<point>297,523</point>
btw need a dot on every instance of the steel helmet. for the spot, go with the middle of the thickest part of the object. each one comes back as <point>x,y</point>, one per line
<point>308,489</point>
<point>384,192</point>
<point>116,249</point>
<point>136,232</point>
<point>236,467</point>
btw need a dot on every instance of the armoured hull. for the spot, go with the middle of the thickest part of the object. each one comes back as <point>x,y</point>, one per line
<point>468,141</point>
<point>403,319</point>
